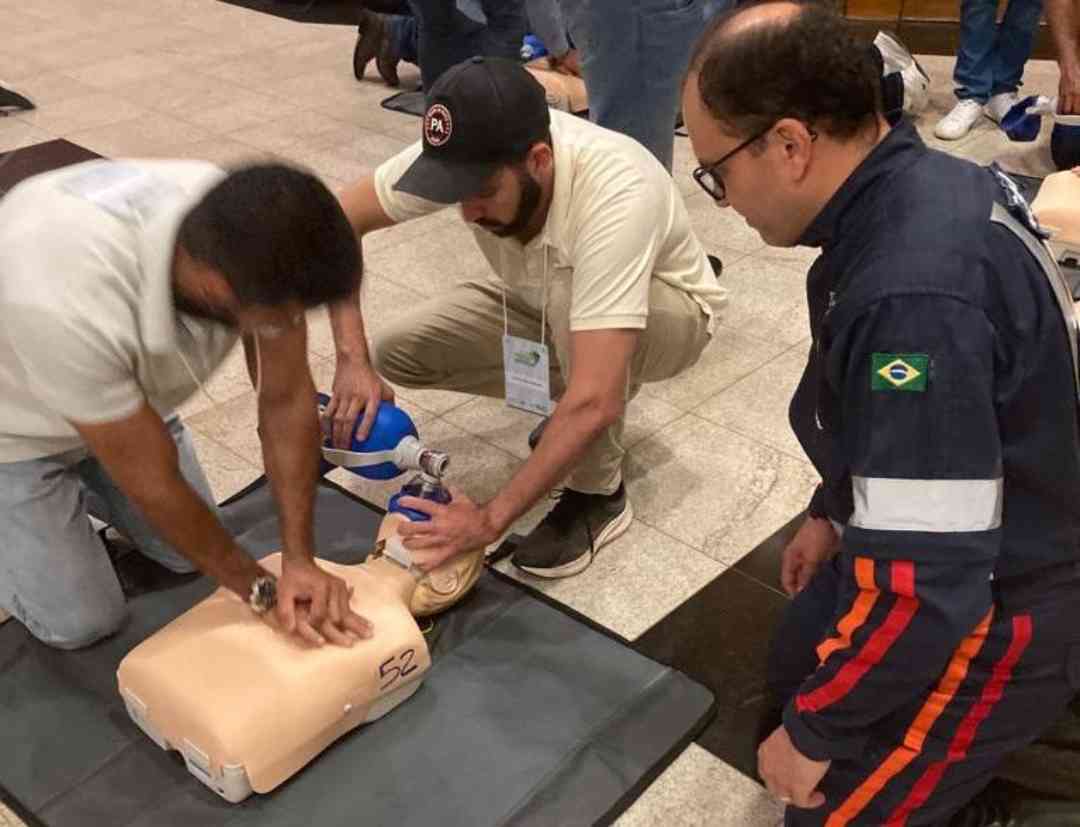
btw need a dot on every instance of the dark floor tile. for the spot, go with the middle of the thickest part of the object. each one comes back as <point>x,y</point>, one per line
<point>720,637</point>
<point>763,563</point>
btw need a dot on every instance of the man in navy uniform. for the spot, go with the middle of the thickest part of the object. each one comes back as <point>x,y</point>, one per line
<point>936,620</point>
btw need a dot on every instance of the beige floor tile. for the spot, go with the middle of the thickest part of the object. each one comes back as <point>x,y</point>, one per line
<point>227,153</point>
<point>700,790</point>
<point>243,110</point>
<point>730,356</point>
<point>19,70</point>
<point>230,380</point>
<point>493,421</point>
<point>633,582</point>
<point>226,470</point>
<point>294,130</point>
<point>429,265</point>
<point>282,63</point>
<point>151,135</point>
<point>16,133</point>
<point>234,424</point>
<point>766,300</point>
<point>8,818</point>
<point>332,91</point>
<point>415,230</point>
<point>83,112</point>
<point>757,405</point>
<point>721,228</point>
<point>698,482</point>
<point>347,160</point>
<point>49,88</point>
<point>367,110</point>
<point>120,71</point>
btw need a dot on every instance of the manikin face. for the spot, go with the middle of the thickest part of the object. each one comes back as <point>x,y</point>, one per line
<point>506,204</point>
<point>754,178</point>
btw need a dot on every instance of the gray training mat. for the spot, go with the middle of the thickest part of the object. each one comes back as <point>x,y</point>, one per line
<point>529,715</point>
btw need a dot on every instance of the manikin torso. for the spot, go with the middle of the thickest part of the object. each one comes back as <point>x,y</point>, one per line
<point>227,690</point>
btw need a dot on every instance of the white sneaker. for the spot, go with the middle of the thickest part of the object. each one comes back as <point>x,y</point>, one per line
<point>896,58</point>
<point>999,105</point>
<point>959,121</point>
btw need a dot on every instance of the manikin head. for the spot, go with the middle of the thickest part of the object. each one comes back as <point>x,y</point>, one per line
<point>782,104</point>
<point>263,245</point>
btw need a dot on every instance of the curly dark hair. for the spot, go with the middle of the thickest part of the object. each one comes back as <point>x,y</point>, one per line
<point>277,235</point>
<point>808,66</point>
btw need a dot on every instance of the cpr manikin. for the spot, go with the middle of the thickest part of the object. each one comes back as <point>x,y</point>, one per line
<point>1056,207</point>
<point>247,706</point>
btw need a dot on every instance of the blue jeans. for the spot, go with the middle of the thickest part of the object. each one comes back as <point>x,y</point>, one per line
<point>634,55</point>
<point>440,35</point>
<point>55,574</point>
<point>991,57</point>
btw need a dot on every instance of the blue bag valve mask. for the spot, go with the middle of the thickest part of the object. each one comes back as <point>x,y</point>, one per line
<point>392,447</point>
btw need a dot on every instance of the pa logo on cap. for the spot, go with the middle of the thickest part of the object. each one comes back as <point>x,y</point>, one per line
<point>438,125</point>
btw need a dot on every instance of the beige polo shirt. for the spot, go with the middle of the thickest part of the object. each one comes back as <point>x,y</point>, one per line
<point>88,330</point>
<point>616,221</point>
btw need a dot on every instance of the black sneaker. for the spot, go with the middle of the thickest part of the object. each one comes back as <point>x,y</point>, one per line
<point>567,539</point>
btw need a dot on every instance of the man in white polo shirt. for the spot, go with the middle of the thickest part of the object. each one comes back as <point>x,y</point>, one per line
<point>123,285</point>
<point>599,286</point>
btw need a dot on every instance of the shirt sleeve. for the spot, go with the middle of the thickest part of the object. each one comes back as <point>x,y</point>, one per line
<point>914,377</point>
<point>72,368</point>
<point>400,206</point>
<point>614,253</point>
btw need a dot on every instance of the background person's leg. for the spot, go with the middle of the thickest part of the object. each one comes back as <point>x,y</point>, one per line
<point>1015,40</point>
<point>55,575</point>
<point>975,59</point>
<point>634,54</point>
<point>505,28</point>
<point>445,37</point>
<point>127,519</point>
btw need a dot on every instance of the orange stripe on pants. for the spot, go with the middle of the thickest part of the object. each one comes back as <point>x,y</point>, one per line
<point>915,737</point>
<point>860,610</point>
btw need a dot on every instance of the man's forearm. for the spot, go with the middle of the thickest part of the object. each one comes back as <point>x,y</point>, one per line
<point>289,429</point>
<point>569,434</point>
<point>347,324</point>
<point>1062,17</point>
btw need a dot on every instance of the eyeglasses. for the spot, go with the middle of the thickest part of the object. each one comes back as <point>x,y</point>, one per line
<point>708,177</point>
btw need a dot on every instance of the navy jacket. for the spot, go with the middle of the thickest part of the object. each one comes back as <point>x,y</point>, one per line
<point>939,405</point>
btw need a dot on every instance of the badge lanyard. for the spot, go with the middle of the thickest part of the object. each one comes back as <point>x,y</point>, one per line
<point>526,364</point>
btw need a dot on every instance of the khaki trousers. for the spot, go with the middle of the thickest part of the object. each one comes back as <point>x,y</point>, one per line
<point>453,341</point>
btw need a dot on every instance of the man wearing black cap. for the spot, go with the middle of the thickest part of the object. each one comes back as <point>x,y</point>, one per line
<point>592,253</point>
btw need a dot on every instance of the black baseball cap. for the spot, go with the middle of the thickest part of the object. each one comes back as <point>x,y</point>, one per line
<point>480,114</point>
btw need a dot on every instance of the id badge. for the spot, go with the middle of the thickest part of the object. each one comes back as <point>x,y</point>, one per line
<point>528,377</point>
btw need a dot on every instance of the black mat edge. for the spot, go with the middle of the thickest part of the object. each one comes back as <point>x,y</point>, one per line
<point>19,809</point>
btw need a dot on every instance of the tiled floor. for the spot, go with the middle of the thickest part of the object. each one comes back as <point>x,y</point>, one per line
<point>714,468</point>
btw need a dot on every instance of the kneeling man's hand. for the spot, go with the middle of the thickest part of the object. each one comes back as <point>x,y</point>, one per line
<point>314,605</point>
<point>459,526</point>
<point>790,775</point>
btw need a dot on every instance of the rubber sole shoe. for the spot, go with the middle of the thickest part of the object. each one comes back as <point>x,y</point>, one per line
<point>567,539</point>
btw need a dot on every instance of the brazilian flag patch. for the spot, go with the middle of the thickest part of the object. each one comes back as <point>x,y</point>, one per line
<point>899,371</point>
